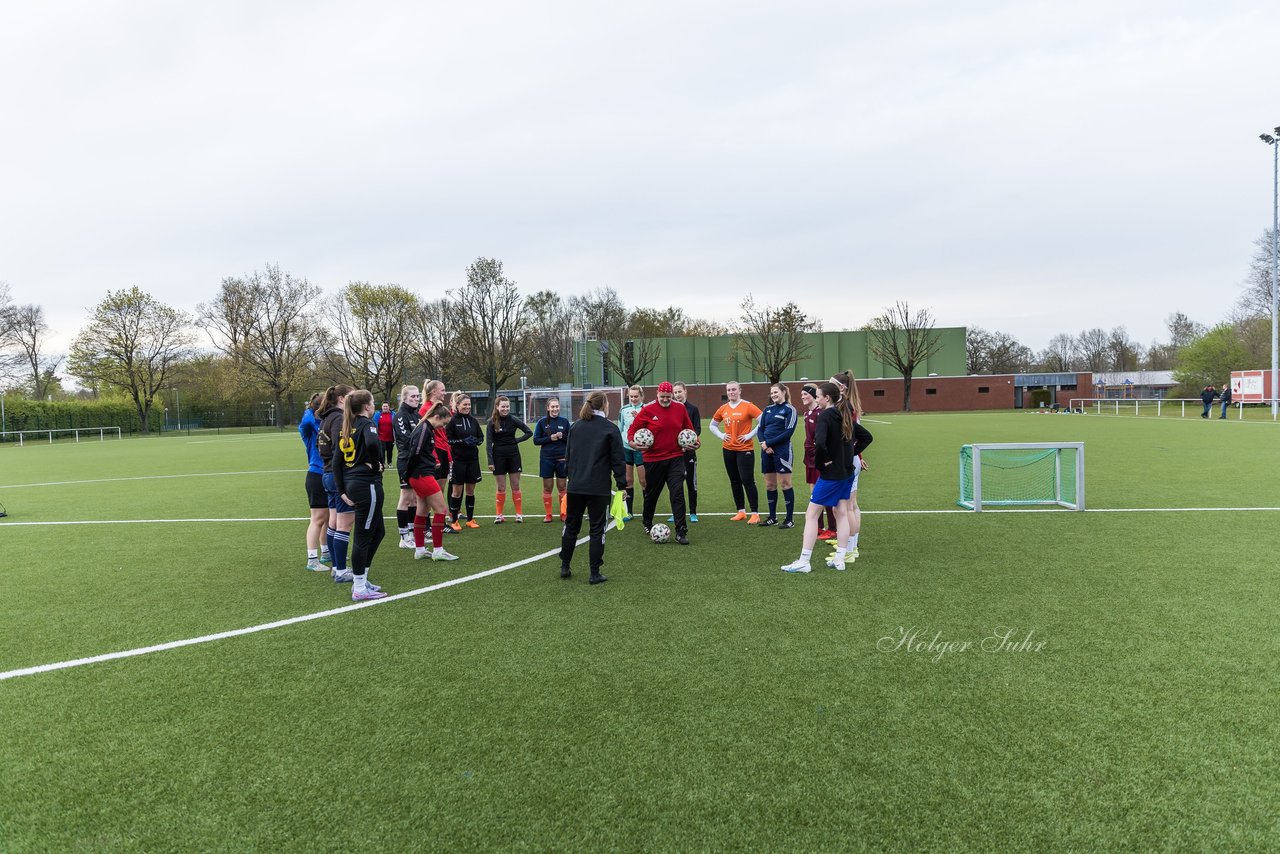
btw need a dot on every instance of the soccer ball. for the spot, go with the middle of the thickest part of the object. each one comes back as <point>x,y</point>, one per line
<point>687,439</point>
<point>660,533</point>
<point>643,439</point>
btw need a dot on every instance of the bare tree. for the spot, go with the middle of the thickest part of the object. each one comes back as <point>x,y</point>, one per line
<point>30,335</point>
<point>133,343</point>
<point>903,340</point>
<point>492,323</point>
<point>632,358</point>
<point>600,313</point>
<point>435,343</point>
<point>550,339</point>
<point>1256,299</point>
<point>10,357</point>
<point>375,334</point>
<point>1061,354</point>
<point>1123,352</point>
<point>267,323</point>
<point>769,340</point>
<point>995,353</point>
<point>1094,349</point>
<point>1183,330</point>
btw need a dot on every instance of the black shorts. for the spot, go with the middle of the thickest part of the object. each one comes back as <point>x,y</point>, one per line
<point>317,499</point>
<point>466,471</point>
<point>403,471</point>
<point>506,463</point>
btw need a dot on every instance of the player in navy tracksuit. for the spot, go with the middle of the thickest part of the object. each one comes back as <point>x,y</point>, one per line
<point>550,434</point>
<point>357,470</point>
<point>777,424</point>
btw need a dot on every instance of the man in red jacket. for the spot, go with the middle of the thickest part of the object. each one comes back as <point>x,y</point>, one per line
<point>664,460</point>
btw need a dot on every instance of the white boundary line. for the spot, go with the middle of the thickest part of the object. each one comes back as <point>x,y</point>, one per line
<point>150,477</point>
<point>275,624</point>
<point>864,512</point>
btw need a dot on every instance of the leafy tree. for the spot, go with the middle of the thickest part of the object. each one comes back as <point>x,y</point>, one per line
<point>1183,330</point>
<point>1210,359</point>
<point>701,328</point>
<point>493,326</point>
<point>904,340</point>
<point>132,343</point>
<point>375,335</point>
<point>267,323</point>
<point>658,323</point>
<point>769,340</point>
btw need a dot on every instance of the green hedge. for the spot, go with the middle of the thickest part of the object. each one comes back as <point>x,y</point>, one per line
<point>25,414</point>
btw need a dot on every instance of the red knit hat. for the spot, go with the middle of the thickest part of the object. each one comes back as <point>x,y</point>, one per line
<point>666,386</point>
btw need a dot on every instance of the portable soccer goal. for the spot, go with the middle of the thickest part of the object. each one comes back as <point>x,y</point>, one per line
<point>1021,474</point>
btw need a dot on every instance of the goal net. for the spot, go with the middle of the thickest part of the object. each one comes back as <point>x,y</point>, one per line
<point>1021,474</point>
<point>571,400</point>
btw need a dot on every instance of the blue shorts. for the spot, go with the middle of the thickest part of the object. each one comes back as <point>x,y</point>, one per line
<point>335,497</point>
<point>779,462</point>
<point>631,457</point>
<point>553,468</point>
<point>829,493</point>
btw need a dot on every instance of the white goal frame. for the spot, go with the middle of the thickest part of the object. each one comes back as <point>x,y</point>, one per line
<point>1058,474</point>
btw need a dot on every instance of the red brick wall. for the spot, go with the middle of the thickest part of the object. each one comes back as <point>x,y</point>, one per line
<point>951,394</point>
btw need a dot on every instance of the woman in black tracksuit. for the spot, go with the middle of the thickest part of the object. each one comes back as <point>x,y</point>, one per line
<point>593,452</point>
<point>465,438</point>
<point>502,447</point>
<point>357,469</point>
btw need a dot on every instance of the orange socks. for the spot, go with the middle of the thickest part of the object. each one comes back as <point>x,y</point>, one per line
<point>502,500</point>
<point>546,502</point>
<point>515,496</point>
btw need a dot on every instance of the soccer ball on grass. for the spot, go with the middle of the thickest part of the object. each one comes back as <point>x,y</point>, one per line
<point>660,533</point>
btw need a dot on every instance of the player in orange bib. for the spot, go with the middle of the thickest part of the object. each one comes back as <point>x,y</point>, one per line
<point>735,424</point>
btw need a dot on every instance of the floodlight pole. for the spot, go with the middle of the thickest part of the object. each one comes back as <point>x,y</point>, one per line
<point>1275,295</point>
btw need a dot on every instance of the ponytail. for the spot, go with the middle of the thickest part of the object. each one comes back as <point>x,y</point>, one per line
<point>351,409</point>
<point>832,391</point>
<point>595,400</point>
<point>850,383</point>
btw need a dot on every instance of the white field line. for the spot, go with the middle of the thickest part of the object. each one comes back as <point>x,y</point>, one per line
<point>150,477</point>
<point>533,519</point>
<point>275,624</point>
<point>874,421</point>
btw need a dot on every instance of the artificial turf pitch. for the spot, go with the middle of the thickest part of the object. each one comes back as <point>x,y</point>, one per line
<point>700,700</point>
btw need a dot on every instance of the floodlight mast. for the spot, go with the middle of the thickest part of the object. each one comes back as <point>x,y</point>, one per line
<point>1275,295</point>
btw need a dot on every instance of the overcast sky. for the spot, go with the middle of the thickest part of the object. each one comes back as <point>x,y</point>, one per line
<point>1029,167</point>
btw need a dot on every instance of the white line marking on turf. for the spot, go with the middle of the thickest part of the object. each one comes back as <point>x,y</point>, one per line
<point>151,477</point>
<point>275,624</point>
<point>992,511</point>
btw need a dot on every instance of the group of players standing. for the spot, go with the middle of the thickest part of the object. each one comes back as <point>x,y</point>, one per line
<point>437,460</point>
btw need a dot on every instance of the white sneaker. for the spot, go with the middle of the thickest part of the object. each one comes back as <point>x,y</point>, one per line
<point>441,554</point>
<point>519,518</point>
<point>421,554</point>
<point>407,542</point>
<point>344,576</point>
<point>798,565</point>
<point>836,564</point>
<point>365,593</point>
<point>498,520</point>
<point>316,566</point>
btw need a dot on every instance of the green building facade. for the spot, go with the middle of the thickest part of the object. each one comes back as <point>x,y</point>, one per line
<point>698,360</point>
